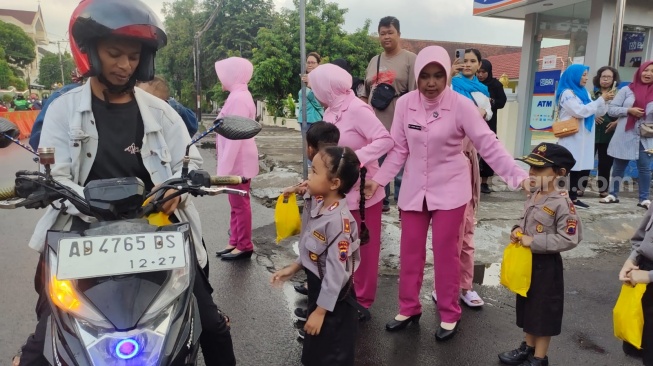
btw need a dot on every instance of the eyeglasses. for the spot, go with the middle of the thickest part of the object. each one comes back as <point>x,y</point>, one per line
<point>607,77</point>
<point>311,63</point>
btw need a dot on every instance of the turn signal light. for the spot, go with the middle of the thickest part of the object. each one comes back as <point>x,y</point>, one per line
<point>63,294</point>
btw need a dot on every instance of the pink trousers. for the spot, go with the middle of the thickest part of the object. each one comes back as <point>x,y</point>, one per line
<point>446,254</point>
<point>467,249</point>
<point>367,275</point>
<point>241,220</point>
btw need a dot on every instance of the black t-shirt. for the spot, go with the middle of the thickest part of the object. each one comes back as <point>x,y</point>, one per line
<point>120,138</point>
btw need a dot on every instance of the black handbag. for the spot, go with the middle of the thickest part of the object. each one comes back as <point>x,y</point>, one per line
<point>384,93</point>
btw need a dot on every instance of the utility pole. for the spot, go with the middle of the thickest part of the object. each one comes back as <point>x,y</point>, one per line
<point>63,82</point>
<point>197,58</point>
<point>617,35</point>
<point>302,53</point>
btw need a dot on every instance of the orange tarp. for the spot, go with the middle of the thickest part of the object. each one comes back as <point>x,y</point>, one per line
<point>23,119</point>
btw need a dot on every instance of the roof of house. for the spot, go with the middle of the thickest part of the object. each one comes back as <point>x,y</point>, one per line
<point>509,63</point>
<point>24,16</point>
<point>416,45</point>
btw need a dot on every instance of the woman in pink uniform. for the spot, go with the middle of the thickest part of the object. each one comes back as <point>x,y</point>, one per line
<point>237,157</point>
<point>429,126</point>
<point>361,131</point>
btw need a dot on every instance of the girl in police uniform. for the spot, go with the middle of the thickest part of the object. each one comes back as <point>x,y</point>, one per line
<point>329,254</point>
<point>549,226</point>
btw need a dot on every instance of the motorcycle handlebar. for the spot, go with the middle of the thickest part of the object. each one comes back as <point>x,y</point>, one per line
<point>7,193</point>
<point>227,180</point>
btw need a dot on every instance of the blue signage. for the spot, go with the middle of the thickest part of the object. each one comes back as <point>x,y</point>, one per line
<point>546,82</point>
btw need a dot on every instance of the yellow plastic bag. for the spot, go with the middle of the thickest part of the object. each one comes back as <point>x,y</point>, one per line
<point>157,218</point>
<point>628,315</point>
<point>516,268</point>
<point>286,217</point>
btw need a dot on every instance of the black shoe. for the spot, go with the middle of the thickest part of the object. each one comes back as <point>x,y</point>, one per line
<point>223,252</point>
<point>534,361</point>
<point>516,356</point>
<point>386,208</point>
<point>442,335</point>
<point>485,188</point>
<point>301,314</point>
<point>581,204</point>
<point>301,289</point>
<point>301,334</point>
<point>631,351</point>
<point>242,255</point>
<point>395,324</point>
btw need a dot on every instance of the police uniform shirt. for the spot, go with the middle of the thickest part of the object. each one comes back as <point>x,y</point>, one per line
<point>330,238</point>
<point>552,222</point>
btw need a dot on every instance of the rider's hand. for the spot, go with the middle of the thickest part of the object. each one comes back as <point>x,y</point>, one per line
<point>169,207</point>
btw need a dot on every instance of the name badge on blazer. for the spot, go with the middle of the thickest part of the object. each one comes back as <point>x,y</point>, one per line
<point>415,127</point>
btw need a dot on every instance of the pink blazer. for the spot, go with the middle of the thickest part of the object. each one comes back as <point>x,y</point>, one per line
<point>364,133</point>
<point>431,147</point>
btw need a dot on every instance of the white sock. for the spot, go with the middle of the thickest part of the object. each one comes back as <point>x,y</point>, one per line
<point>448,326</point>
<point>401,318</point>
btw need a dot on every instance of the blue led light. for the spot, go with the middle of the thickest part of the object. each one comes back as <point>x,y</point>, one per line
<point>127,349</point>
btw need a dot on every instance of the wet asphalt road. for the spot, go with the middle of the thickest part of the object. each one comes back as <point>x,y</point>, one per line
<point>263,327</point>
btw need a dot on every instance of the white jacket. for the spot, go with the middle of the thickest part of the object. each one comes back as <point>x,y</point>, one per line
<point>69,127</point>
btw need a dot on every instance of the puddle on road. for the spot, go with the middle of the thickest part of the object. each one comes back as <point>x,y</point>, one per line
<point>487,274</point>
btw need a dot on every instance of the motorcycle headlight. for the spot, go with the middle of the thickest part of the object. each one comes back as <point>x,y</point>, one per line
<point>175,286</point>
<point>66,298</point>
<point>140,346</point>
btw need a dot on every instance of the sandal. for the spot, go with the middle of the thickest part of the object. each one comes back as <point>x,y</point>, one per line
<point>644,204</point>
<point>472,299</point>
<point>603,194</point>
<point>609,199</point>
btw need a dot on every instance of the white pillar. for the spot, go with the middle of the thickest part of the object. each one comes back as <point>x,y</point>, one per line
<point>599,31</point>
<point>527,68</point>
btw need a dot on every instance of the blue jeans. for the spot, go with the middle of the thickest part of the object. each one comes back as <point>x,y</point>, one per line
<point>643,168</point>
<point>398,178</point>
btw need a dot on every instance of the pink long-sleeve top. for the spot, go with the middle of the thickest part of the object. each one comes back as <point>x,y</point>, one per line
<point>359,127</point>
<point>436,169</point>
<point>237,157</point>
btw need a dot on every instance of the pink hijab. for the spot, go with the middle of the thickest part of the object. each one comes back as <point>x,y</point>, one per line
<point>331,86</point>
<point>643,94</point>
<point>234,73</point>
<point>428,55</point>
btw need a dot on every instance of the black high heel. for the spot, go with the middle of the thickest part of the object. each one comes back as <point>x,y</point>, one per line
<point>395,325</point>
<point>225,251</point>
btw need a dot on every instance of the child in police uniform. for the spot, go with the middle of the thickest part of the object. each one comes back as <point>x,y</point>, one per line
<point>329,254</point>
<point>549,226</point>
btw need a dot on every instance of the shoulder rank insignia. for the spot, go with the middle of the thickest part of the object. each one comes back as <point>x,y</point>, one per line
<point>563,193</point>
<point>346,226</point>
<point>334,206</point>
<point>319,236</point>
<point>313,256</point>
<point>548,211</point>
<point>571,226</point>
<point>343,250</point>
<point>572,208</point>
<point>539,228</point>
<point>319,199</point>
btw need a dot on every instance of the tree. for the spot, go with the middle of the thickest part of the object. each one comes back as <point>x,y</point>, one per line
<point>50,69</point>
<point>19,47</point>
<point>277,60</point>
<point>7,76</point>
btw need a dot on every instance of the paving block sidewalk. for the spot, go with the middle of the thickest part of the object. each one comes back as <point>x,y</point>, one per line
<point>605,227</point>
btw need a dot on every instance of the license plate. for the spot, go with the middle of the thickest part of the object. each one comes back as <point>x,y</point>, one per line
<point>97,256</point>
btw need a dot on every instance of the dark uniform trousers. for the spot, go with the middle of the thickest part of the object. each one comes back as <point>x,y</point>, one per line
<point>335,345</point>
<point>647,305</point>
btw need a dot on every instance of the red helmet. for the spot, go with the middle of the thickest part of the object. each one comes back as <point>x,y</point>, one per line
<point>96,19</point>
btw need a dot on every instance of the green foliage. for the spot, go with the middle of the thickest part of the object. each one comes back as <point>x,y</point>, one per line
<point>290,106</point>
<point>7,98</point>
<point>50,69</point>
<point>18,47</point>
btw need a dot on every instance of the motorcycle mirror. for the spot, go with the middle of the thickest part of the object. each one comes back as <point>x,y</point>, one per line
<point>231,127</point>
<point>8,133</point>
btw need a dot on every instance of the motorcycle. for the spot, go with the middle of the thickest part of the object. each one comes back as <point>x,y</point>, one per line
<point>121,291</point>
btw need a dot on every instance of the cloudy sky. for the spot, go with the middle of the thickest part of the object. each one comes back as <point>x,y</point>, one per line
<point>444,20</point>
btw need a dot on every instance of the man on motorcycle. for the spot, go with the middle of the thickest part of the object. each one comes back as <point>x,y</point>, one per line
<point>107,128</point>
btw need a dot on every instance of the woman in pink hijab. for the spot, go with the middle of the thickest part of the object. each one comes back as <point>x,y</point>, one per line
<point>429,126</point>
<point>361,131</point>
<point>237,157</point>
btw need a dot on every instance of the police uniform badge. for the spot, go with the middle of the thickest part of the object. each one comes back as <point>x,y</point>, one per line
<point>343,250</point>
<point>346,226</point>
<point>313,256</point>
<point>572,208</point>
<point>539,228</point>
<point>549,211</point>
<point>319,199</point>
<point>334,206</point>
<point>571,226</point>
<point>319,236</point>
